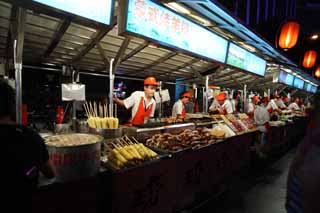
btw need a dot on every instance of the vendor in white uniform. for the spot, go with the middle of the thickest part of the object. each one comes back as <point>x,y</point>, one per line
<point>179,109</point>
<point>272,105</point>
<point>252,105</point>
<point>221,104</point>
<point>141,103</point>
<point>295,105</point>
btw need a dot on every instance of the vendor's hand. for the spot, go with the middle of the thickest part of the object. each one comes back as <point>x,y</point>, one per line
<point>115,98</point>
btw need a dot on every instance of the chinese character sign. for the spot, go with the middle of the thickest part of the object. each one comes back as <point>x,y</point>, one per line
<point>158,23</point>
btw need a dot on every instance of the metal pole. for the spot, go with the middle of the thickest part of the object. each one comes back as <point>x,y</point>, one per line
<point>269,93</point>
<point>203,99</point>
<point>17,52</point>
<point>207,91</point>
<point>194,86</point>
<point>111,81</point>
<point>74,104</point>
<point>244,98</point>
<point>160,105</point>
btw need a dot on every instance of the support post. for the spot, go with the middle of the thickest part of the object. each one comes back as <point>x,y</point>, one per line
<point>207,90</point>
<point>18,51</point>
<point>111,81</point>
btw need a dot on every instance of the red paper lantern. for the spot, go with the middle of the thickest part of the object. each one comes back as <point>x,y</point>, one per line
<point>317,73</point>
<point>309,59</point>
<point>289,35</point>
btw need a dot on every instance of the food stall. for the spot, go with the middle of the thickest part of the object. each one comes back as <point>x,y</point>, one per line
<point>170,166</point>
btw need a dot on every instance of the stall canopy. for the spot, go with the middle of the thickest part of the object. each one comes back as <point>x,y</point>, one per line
<point>54,38</point>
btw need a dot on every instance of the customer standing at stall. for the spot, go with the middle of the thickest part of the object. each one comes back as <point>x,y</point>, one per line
<point>221,105</point>
<point>179,109</point>
<point>23,155</point>
<point>142,103</point>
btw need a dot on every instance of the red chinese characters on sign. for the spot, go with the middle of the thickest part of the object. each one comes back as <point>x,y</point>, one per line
<point>153,14</point>
<point>176,25</point>
<point>185,28</point>
<point>164,21</point>
<point>140,9</point>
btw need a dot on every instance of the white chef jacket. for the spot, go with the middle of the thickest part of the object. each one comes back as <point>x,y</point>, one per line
<point>177,108</point>
<point>234,102</point>
<point>280,103</point>
<point>261,116</point>
<point>272,104</point>
<point>294,106</point>
<point>227,106</point>
<point>250,108</point>
<point>134,100</point>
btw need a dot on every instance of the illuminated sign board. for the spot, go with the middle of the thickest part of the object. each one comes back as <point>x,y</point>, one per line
<point>243,59</point>
<point>157,23</point>
<point>298,83</point>
<point>313,89</point>
<point>96,10</point>
<point>286,78</point>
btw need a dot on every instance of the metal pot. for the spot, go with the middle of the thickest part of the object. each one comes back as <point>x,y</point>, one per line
<point>107,133</point>
<point>76,162</point>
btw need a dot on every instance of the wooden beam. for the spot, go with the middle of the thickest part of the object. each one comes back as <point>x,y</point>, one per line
<point>121,51</point>
<point>159,61</point>
<point>135,51</point>
<point>104,58</point>
<point>57,37</point>
<point>92,43</point>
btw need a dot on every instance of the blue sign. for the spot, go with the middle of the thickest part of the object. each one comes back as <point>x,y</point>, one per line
<point>286,78</point>
<point>151,20</point>
<point>307,87</point>
<point>298,83</point>
<point>245,60</point>
<point>96,10</point>
<point>313,89</point>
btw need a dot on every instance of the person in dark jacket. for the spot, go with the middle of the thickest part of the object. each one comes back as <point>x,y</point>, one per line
<point>303,188</point>
<point>23,156</point>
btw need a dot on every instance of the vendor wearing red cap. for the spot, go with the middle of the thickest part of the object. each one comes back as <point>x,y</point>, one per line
<point>142,103</point>
<point>179,110</point>
<point>295,105</point>
<point>251,105</point>
<point>272,105</point>
<point>221,104</point>
<point>280,103</point>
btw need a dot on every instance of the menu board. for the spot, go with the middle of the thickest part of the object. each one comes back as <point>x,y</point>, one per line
<point>298,83</point>
<point>245,60</point>
<point>157,23</point>
<point>307,86</point>
<point>96,10</point>
<point>286,78</point>
<point>314,89</point>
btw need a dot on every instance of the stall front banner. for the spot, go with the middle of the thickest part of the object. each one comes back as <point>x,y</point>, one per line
<point>158,23</point>
<point>245,60</point>
<point>96,10</point>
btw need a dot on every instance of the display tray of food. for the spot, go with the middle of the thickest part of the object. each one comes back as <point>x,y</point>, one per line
<point>185,140</point>
<point>277,123</point>
<point>127,153</point>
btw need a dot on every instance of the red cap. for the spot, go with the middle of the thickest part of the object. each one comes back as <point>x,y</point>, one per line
<point>265,100</point>
<point>186,94</point>
<point>151,81</point>
<point>285,99</point>
<point>221,97</point>
<point>255,99</point>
